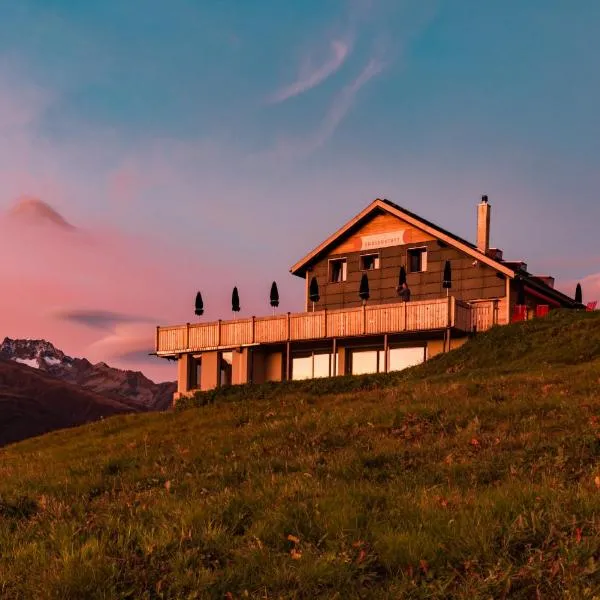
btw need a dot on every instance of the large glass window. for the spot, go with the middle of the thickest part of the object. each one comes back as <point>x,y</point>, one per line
<point>402,358</point>
<point>369,360</point>
<point>366,361</point>
<point>302,367</point>
<point>310,365</point>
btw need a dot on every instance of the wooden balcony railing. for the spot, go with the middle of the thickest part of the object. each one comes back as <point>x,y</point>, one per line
<point>425,315</point>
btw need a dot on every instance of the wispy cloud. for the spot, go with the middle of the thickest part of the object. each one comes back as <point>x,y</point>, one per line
<point>339,52</point>
<point>338,110</point>
<point>101,319</point>
<point>343,101</point>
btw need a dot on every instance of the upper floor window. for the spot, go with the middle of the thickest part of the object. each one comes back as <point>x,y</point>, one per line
<point>369,262</point>
<point>417,260</point>
<point>338,270</point>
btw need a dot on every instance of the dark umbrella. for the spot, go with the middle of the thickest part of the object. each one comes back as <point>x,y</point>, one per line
<point>578,294</point>
<point>235,300</point>
<point>199,305</point>
<point>274,296</point>
<point>402,277</point>
<point>363,291</point>
<point>447,284</point>
<point>520,292</point>
<point>313,291</point>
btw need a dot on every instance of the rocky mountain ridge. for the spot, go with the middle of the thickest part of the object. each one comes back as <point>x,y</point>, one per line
<point>131,388</point>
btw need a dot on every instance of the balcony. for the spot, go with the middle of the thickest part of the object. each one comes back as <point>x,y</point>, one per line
<point>405,317</point>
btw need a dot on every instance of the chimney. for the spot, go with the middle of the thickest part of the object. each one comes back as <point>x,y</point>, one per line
<point>483,225</point>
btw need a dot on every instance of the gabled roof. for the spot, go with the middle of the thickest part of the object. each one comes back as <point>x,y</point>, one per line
<point>389,207</point>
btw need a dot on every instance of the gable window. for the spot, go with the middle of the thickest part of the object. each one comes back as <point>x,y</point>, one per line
<point>369,262</point>
<point>338,270</point>
<point>417,260</point>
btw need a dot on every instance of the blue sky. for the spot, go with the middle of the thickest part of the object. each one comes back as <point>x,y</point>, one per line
<point>242,133</point>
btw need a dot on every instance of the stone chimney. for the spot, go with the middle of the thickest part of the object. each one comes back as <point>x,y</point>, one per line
<point>483,225</point>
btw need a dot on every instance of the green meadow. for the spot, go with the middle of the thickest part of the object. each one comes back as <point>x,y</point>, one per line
<point>476,475</point>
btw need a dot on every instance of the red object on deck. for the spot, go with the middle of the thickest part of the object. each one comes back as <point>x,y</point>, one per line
<point>519,313</point>
<point>541,310</point>
<point>590,306</point>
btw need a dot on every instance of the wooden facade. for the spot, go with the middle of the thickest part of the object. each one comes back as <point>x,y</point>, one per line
<point>342,333</point>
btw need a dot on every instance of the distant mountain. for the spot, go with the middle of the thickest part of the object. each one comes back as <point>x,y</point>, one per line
<point>33,402</point>
<point>131,388</point>
<point>37,211</point>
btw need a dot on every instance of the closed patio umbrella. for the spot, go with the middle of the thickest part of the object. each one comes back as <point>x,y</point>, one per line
<point>313,291</point>
<point>235,300</point>
<point>363,291</point>
<point>578,294</point>
<point>274,298</point>
<point>199,309</point>
<point>447,283</point>
<point>401,277</point>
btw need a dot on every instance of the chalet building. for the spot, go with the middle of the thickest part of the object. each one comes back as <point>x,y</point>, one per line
<point>340,333</point>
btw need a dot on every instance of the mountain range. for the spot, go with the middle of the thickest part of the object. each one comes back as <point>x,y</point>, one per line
<point>42,389</point>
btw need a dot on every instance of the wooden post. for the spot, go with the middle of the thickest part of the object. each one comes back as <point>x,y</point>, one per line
<point>288,360</point>
<point>288,327</point>
<point>324,334</point>
<point>187,336</point>
<point>385,353</point>
<point>334,356</point>
<point>157,338</point>
<point>253,329</point>
<point>219,333</point>
<point>364,319</point>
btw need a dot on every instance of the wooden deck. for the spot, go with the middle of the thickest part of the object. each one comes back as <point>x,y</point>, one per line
<point>420,316</point>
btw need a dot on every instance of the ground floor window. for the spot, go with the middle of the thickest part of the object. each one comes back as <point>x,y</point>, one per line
<point>402,358</point>
<point>195,372</point>
<point>372,360</point>
<point>226,368</point>
<point>312,365</point>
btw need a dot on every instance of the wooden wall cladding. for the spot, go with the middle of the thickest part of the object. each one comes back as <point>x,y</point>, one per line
<point>469,281</point>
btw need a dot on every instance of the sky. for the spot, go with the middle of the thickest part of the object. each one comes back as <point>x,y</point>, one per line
<point>198,145</point>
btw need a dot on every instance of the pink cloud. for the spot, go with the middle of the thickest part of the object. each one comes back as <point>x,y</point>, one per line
<point>51,271</point>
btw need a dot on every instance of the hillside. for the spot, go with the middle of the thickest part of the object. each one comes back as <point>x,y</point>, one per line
<point>476,475</point>
<point>33,403</point>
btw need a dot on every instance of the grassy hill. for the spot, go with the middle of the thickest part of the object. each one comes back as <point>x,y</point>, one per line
<point>476,475</point>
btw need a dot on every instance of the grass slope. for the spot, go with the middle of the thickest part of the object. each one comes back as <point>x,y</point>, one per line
<point>476,475</point>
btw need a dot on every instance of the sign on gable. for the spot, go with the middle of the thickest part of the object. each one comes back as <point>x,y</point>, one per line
<point>383,240</point>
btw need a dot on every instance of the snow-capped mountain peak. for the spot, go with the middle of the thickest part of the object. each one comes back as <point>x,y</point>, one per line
<point>127,386</point>
<point>39,354</point>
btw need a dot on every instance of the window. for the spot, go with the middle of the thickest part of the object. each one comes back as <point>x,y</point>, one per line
<point>368,360</point>
<point>225,368</point>
<point>365,361</point>
<point>309,365</point>
<point>402,358</point>
<point>369,262</point>
<point>417,260</point>
<point>195,372</point>
<point>338,269</point>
